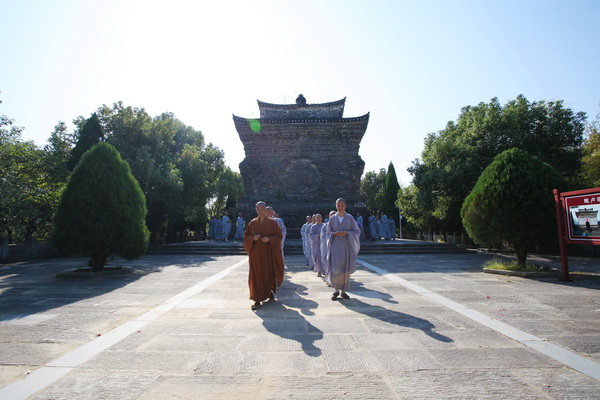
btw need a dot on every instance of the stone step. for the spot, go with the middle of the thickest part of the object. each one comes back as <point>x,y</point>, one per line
<point>236,248</point>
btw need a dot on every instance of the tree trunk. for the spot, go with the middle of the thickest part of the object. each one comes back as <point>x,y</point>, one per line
<point>521,252</point>
<point>98,262</point>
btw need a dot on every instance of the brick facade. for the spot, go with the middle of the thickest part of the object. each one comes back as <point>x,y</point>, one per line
<point>300,158</point>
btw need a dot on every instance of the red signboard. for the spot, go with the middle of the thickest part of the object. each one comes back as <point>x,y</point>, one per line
<point>577,218</point>
<point>582,211</point>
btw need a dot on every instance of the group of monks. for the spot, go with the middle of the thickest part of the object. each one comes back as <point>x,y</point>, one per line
<point>381,227</point>
<point>219,227</point>
<point>330,248</point>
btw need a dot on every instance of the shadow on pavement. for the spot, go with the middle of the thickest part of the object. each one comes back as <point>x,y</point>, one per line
<point>394,317</point>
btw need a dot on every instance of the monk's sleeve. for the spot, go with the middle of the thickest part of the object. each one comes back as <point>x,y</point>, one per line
<point>249,238</point>
<point>354,237</point>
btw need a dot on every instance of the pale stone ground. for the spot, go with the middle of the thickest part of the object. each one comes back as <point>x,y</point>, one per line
<point>386,342</point>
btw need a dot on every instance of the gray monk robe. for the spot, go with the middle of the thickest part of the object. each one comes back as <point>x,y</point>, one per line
<point>265,258</point>
<point>342,251</point>
<point>315,247</point>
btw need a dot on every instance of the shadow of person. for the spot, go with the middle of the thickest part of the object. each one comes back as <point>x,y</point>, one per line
<point>289,324</point>
<point>360,289</point>
<point>394,318</point>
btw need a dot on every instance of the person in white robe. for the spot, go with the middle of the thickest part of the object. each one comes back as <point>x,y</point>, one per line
<point>315,245</point>
<point>343,244</point>
<point>225,226</point>
<point>359,221</point>
<point>239,227</point>
<point>392,228</point>
<point>373,227</point>
<point>384,228</point>
<point>211,228</point>
<point>305,242</point>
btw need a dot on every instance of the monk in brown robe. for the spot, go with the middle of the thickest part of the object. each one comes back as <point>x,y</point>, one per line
<point>262,242</point>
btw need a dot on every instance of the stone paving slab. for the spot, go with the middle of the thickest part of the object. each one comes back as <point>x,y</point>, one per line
<point>386,342</point>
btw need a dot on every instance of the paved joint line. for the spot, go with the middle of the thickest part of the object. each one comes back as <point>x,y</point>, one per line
<point>58,368</point>
<point>564,356</point>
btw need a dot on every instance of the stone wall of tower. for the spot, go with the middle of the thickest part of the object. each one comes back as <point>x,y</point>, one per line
<point>301,167</point>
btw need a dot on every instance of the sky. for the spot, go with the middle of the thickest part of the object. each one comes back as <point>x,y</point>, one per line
<point>413,65</point>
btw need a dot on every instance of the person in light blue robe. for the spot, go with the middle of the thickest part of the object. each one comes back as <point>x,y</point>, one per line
<point>239,227</point>
<point>359,221</point>
<point>392,228</point>
<point>218,227</point>
<point>315,245</point>
<point>273,215</point>
<point>373,227</point>
<point>225,227</point>
<point>384,228</point>
<point>305,242</point>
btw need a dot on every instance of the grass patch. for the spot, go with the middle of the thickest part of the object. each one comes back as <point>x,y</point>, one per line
<point>513,266</point>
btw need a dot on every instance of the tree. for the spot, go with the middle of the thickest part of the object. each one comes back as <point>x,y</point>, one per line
<point>28,192</point>
<point>390,195</point>
<point>512,203</point>
<point>177,171</point>
<point>372,188</point>
<point>591,153</point>
<point>90,133</point>
<point>102,210</point>
<point>454,158</point>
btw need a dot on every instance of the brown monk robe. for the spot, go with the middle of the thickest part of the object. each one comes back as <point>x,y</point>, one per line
<point>262,242</point>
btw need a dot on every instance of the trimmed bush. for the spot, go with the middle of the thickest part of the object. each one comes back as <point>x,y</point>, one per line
<point>102,210</point>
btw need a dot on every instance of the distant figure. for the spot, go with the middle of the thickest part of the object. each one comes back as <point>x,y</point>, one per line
<point>373,227</point>
<point>239,227</point>
<point>262,242</point>
<point>315,245</point>
<point>359,221</point>
<point>384,227</point>
<point>343,244</point>
<point>305,243</point>
<point>225,226</point>
<point>392,228</point>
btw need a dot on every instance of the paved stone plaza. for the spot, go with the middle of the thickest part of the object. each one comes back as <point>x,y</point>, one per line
<point>418,326</point>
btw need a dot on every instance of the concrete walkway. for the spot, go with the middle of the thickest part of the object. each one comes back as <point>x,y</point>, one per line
<point>416,327</point>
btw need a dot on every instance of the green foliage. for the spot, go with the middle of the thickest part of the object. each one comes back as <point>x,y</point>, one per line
<point>102,210</point>
<point>178,172</point>
<point>454,158</point>
<point>29,186</point>
<point>390,195</point>
<point>372,188</point>
<point>512,203</point>
<point>591,153</point>
<point>91,133</point>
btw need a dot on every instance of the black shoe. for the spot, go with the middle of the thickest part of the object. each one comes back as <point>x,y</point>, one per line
<point>335,296</point>
<point>345,295</point>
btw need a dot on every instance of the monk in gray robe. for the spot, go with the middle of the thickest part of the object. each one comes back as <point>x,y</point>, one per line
<point>262,242</point>
<point>324,244</point>
<point>343,244</point>
<point>315,245</point>
<point>304,234</point>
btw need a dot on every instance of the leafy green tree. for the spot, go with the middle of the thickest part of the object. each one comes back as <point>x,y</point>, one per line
<point>390,195</point>
<point>91,133</point>
<point>229,189</point>
<point>591,153</point>
<point>454,158</point>
<point>28,193</point>
<point>177,171</point>
<point>512,203</point>
<point>372,188</point>
<point>102,210</point>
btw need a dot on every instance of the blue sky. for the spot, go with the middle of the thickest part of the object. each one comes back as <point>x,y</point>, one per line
<point>412,64</point>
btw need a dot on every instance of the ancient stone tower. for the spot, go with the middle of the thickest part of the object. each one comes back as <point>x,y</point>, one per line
<point>300,158</point>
